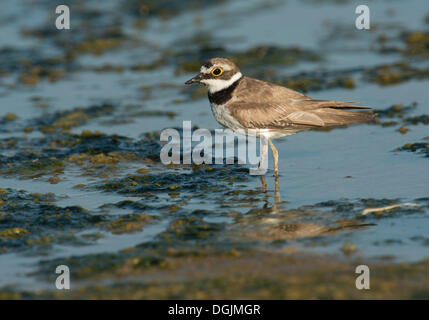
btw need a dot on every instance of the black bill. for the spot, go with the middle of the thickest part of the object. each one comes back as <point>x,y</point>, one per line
<point>195,79</point>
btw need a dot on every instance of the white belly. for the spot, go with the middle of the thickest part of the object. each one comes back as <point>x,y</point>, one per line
<point>225,118</point>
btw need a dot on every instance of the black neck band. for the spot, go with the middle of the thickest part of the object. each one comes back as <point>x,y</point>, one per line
<point>222,96</point>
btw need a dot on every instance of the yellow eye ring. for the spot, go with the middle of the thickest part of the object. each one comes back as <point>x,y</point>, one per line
<point>217,72</point>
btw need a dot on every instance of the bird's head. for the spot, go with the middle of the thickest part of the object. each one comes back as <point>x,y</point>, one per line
<point>217,74</point>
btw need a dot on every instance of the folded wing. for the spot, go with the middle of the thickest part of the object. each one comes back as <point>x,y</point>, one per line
<point>276,107</point>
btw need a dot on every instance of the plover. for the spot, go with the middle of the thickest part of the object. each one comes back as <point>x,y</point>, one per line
<point>258,108</point>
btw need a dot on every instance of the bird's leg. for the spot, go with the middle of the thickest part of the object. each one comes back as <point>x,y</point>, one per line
<point>264,151</point>
<point>277,190</point>
<point>264,189</point>
<point>275,157</point>
<point>264,184</point>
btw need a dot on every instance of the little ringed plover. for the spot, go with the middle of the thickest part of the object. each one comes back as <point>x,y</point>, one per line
<point>258,108</point>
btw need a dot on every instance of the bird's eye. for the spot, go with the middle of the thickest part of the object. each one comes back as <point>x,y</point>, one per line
<point>217,72</point>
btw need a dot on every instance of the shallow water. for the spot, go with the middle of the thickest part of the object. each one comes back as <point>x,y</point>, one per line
<point>326,178</point>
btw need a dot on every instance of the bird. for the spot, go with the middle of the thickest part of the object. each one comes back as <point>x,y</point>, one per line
<point>259,108</point>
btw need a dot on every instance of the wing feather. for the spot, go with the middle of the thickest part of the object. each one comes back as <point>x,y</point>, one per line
<point>277,107</point>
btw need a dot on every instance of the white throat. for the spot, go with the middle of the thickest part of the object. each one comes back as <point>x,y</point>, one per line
<point>216,85</point>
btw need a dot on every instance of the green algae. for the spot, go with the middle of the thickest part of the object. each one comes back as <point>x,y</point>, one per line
<point>396,111</point>
<point>166,9</point>
<point>190,229</point>
<point>417,43</point>
<point>421,119</point>
<point>98,46</point>
<point>417,147</point>
<point>34,168</point>
<point>65,120</point>
<point>13,233</point>
<point>10,117</point>
<point>250,60</point>
<point>400,113</point>
<point>410,44</point>
<point>95,152</point>
<point>349,248</point>
<point>265,55</point>
<point>130,223</point>
<point>33,75</point>
<point>31,220</point>
<point>154,113</point>
<point>391,74</point>
<point>196,259</point>
<point>148,183</point>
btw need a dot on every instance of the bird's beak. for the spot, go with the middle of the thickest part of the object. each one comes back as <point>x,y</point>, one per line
<point>195,79</point>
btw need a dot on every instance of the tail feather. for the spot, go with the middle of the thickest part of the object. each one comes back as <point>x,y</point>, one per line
<point>336,113</point>
<point>338,117</point>
<point>336,104</point>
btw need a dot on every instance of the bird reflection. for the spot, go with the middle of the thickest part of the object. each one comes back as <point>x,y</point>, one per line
<point>284,225</point>
<point>276,193</point>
